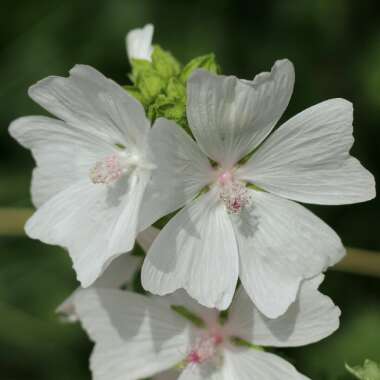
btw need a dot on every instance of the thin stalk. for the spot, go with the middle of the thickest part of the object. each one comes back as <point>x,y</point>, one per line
<point>357,260</point>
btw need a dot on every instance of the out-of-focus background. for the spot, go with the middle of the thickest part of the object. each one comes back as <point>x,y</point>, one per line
<point>335,46</point>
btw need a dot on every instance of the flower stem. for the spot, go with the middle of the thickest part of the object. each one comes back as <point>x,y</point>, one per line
<point>358,261</point>
<point>12,221</point>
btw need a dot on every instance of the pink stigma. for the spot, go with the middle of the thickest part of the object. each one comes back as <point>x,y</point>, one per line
<point>107,171</point>
<point>225,178</point>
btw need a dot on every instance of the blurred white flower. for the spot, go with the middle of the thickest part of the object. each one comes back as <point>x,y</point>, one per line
<point>139,43</point>
<point>91,169</point>
<point>139,336</point>
<point>119,273</point>
<point>239,217</point>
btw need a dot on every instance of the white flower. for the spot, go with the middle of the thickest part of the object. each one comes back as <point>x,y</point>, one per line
<point>138,336</point>
<point>120,272</point>
<point>91,169</point>
<point>229,228</point>
<point>139,43</point>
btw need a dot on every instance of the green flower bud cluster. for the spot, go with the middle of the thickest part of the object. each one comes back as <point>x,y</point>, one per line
<point>160,84</point>
<point>370,370</point>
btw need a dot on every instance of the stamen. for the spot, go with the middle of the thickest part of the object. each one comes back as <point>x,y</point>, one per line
<point>108,170</point>
<point>235,196</point>
<point>206,348</point>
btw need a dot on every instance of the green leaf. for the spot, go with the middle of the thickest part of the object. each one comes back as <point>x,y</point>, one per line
<point>164,63</point>
<point>206,62</point>
<point>370,370</point>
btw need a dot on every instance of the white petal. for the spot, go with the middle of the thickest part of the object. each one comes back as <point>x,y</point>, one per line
<point>135,336</point>
<point>182,171</point>
<point>311,318</point>
<point>248,364</point>
<point>280,244</point>
<point>146,237</point>
<point>307,159</point>
<point>92,102</point>
<point>119,272</point>
<point>230,117</point>
<point>94,222</point>
<point>197,251</point>
<point>206,372</point>
<point>64,154</point>
<point>139,43</point>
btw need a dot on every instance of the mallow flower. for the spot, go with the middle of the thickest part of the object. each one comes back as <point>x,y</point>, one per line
<point>138,336</point>
<point>119,273</point>
<point>238,183</point>
<point>92,167</point>
<point>139,43</point>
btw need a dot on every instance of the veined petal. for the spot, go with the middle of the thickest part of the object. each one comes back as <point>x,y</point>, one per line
<point>134,335</point>
<point>64,154</point>
<point>94,103</point>
<point>119,272</point>
<point>247,364</point>
<point>196,251</point>
<point>182,171</point>
<point>206,372</point>
<point>95,223</point>
<point>311,318</point>
<point>307,159</point>
<point>230,117</point>
<point>146,237</point>
<point>280,244</point>
<point>139,43</point>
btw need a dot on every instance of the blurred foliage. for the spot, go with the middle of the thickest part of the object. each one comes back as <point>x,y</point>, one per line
<point>335,46</point>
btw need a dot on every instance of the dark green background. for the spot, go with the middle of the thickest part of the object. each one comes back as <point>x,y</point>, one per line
<point>335,46</point>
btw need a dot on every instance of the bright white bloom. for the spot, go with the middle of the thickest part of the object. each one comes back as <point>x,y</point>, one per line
<point>91,169</point>
<point>119,273</point>
<point>229,228</point>
<point>139,43</point>
<point>138,336</point>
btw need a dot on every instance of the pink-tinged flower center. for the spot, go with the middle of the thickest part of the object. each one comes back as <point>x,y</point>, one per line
<point>234,194</point>
<point>107,171</point>
<point>206,348</point>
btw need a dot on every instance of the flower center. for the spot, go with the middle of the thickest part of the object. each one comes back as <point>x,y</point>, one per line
<point>206,348</point>
<point>107,171</point>
<point>233,193</point>
<point>113,167</point>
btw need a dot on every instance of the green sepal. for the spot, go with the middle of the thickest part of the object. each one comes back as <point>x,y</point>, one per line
<point>172,109</point>
<point>164,63</point>
<point>244,343</point>
<point>135,92</point>
<point>190,316</point>
<point>223,317</point>
<point>206,62</point>
<point>254,187</point>
<point>176,89</point>
<point>139,67</point>
<point>370,370</point>
<point>150,85</point>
